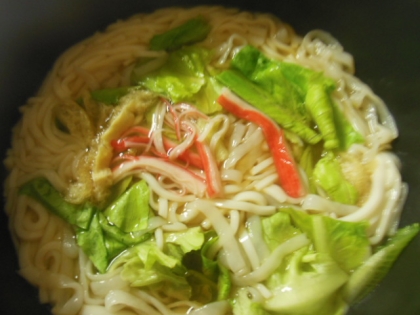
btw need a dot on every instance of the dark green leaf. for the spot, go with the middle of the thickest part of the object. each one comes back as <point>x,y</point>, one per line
<point>113,231</point>
<point>190,32</point>
<point>203,289</point>
<point>110,96</point>
<point>45,193</point>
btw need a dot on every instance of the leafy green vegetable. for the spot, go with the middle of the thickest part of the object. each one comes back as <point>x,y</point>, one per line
<point>319,105</point>
<point>115,247</point>
<point>224,284</point>
<point>92,241</point>
<point>329,176</point>
<point>302,78</point>
<point>303,91</point>
<point>243,304</point>
<point>346,134</point>
<point>209,280</point>
<point>302,288</point>
<point>181,76</point>
<point>278,229</point>
<point>118,189</point>
<point>128,238</point>
<point>369,275</point>
<point>267,74</point>
<point>190,32</point>
<point>106,239</point>
<point>308,280</point>
<point>145,66</point>
<point>175,267</point>
<point>264,102</point>
<point>347,243</point>
<point>191,239</point>
<point>130,212</point>
<point>146,265</point>
<point>99,237</point>
<point>45,193</point>
<point>184,77</point>
<point>125,220</point>
<point>203,289</point>
<point>209,267</point>
<point>110,96</point>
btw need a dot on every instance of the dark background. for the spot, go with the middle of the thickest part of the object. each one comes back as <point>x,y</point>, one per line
<point>383,36</point>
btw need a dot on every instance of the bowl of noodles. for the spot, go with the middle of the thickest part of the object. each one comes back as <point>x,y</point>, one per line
<point>210,158</point>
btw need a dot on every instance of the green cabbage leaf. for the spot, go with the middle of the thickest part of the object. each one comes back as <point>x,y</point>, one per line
<point>184,76</point>
<point>304,92</point>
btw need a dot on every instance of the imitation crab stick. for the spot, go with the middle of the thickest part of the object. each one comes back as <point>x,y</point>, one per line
<point>286,167</point>
<point>214,181</point>
<point>188,156</point>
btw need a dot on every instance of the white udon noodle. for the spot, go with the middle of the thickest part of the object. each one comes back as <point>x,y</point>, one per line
<point>49,256</point>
